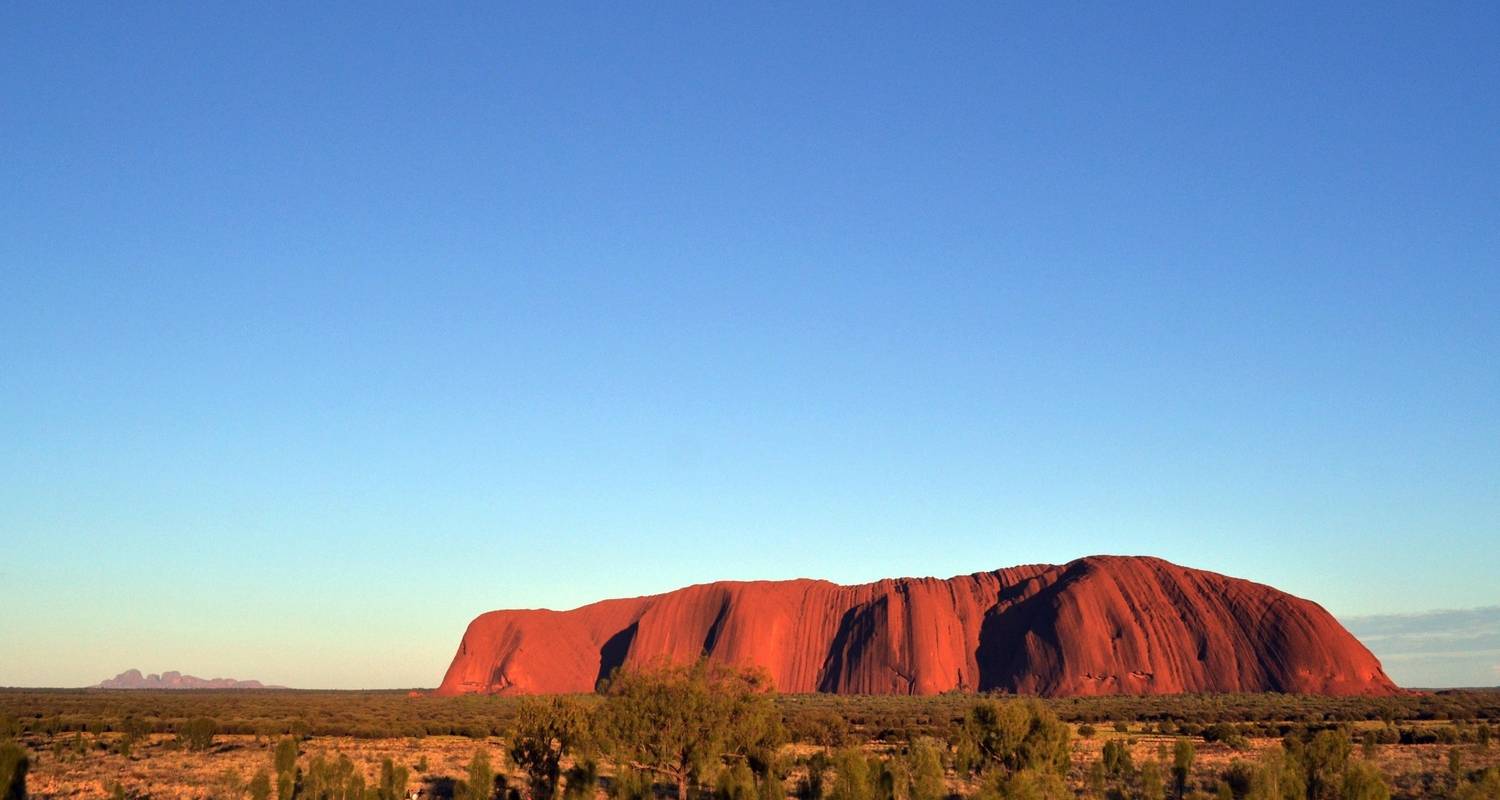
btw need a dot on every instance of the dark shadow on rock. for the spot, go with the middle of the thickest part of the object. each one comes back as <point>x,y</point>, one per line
<point>861,631</point>
<point>612,654</point>
<point>1002,656</point>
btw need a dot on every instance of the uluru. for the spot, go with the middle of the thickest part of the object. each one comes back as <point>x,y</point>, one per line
<point>1097,625</point>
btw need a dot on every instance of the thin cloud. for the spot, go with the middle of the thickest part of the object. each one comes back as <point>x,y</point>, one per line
<point>1453,647</point>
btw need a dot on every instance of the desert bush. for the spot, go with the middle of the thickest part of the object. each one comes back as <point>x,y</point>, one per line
<point>1276,776</point>
<point>1116,759</point>
<point>924,770</point>
<point>631,784</point>
<point>1011,736</point>
<point>682,722</point>
<point>545,732</point>
<point>287,774</point>
<point>1025,784</point>
<point>851,776</point>
<point>197,733</point>
<point>1484,786</point>
<point>1226,733</point>
<point>821,726</point>
<point>14,762</point>
<point>332,780</point>
<point>581,781</point>
<point>1183,754</point>
<point>259,787</point>
<point>1324,760</point>
<point>272,713</point>
<point>479,783</point>
<point>1152,785</point>
<point>229,786</point>
<point>736,783</point>
<point>1362,781</point>
<point>813,785</point>
<point>393,779</point>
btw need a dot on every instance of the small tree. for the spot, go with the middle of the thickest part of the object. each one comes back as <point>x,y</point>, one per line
<point>1325,759</point>
<point>851,776</point>
<point>480,784</point>
<point>1276,777</point>
<point>683,721</point>
<point>1117,759</point>
<point>332,780</point>
<point>1012,736</point>
<point>1031,784</point>
<point>135,730</point>
<point>631,784</point>
<point>1485,786</point>
<point>197,733</point>
<point>392,781</point>
<point>260,786</point>
<point>286,769</point>
<point>544,733</point>
<point>924,770</point>
<point>1182,764</point>
<point>581,781</point>
<point>1362,781</point>
<point>736,783</point>
<point>1152,785</point>
<point>13,765</point>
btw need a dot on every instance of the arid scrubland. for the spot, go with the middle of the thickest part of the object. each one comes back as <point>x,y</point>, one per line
<point>702,733</point>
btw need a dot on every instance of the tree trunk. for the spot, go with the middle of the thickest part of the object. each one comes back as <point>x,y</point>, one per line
<point>682,787</point>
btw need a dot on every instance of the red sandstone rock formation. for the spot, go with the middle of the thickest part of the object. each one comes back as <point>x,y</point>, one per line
<point>1098,625</point>
<point>133,679</point>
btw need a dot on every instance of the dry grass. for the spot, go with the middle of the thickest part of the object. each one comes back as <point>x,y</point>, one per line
<point>160,770</point>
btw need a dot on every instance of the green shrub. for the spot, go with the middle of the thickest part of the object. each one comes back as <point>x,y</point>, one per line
<point>287,774</point>
<point>581,781</point>
<point>1484,786</point>
<point>544,733</point>
<point>1362,781</point>
<point>682,722</point>
<point>736,783</point>
<point>197,733</point>
<point>1183,754</point>
<point>1152,786</point>
<point>631,784</point>
<point>14,761</point>
<point>1116,759</point>
<point>393,779</point>
<point>924,770</point>
<point>851,776</point>
<point>1029,784</point>
<point>1013,735</point>
<point>260,786</point>
<point>480,780</point>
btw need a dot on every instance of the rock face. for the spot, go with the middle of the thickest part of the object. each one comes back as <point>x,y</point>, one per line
<point>1098,625</point>
<point>133,679</point>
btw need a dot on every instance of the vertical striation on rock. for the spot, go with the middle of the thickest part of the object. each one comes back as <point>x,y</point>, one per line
<point>1097,625</point>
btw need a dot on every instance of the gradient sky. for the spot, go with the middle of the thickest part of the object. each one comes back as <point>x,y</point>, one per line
<point>324,328</point>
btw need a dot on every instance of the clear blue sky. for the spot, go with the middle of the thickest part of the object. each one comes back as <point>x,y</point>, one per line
<point>323,329</point>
